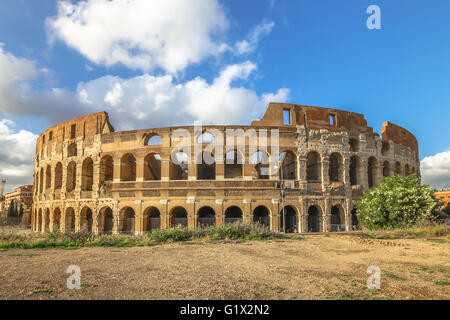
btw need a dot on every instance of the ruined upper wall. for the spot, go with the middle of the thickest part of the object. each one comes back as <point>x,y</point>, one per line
<point>88,125</point>
<point>399,135</point>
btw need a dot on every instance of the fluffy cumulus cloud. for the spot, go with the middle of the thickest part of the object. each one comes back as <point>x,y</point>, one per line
<point>16,154</point>
<point>436,170</point>
<point>251,43</point>
<point>141,34</point>
<point>152,101</point>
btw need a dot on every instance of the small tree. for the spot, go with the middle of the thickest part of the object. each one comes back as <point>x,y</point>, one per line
<point>397,202</point>
<point>21,210</point>
<point>11,210</point>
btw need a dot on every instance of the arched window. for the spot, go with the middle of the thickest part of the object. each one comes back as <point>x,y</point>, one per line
<point>86,220</point>
<point>87,175</point>
<point>262,166</point>
<point>353,145</point>
<point>41,181</point>
<point>288,167</point>
<point>178,169</point>
<point>70,219</point>
<point>337,218</point>
<point>72,150</point>
<point>385,148</point>
<point>58,176</point>
<point>127,220</point>
<point>179,217</point>
<point>313,219</point>
<point>386,169</point>
<point>206,216</point>
<point>233,215</point>
<point>71,180</point>
<point>56,220</point>
<point>128,168</point>
<point>233,165</point>
<point>372,167</point>
<point>206,166</point>
<point>336,169</point>
<point>106,220</point>
<point>152,219</point>
<point>398,168</point>
<point>355,168</point>
<point>206,137</point>
<point>313,166</point>
<point>407,170</point>
<point>291,219</point>
<point>48,177</point>
<point>106,169</point>
<point>261,215</point>
<point>152,167</point>
<point>154,140</point>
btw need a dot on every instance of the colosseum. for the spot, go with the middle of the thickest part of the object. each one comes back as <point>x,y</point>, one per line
<point>89,177</point>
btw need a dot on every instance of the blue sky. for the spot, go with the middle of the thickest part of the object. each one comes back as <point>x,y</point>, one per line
<point>306,52</point>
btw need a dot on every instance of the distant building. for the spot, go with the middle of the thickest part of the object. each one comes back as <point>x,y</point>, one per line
<point>444,196</point>
<point>23,194</point>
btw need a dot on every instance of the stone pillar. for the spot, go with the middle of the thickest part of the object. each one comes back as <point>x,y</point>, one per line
<point>325,173</point>
<point>116,222</point>
<point>275,216</point>
<point>348,209</point>
<point>140,163</point>
<point>139,218</point>
<point>220,213</point>
<point>247,214</point>
<point>327,216</point>
<point>165,169</point>
<point>364,178</point>
<point>116,170</point>
<point>191,212</point>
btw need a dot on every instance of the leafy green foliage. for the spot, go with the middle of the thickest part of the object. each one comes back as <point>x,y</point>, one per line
<point>12,210</point>
<point>396,203</point>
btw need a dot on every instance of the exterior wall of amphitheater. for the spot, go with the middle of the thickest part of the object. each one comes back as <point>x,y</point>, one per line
<point>88,176</point>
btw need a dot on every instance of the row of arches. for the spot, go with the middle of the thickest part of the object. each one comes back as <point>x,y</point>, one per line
<point>178,216</point>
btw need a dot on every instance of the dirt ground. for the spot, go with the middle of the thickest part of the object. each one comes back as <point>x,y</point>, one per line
<point>307,267</point>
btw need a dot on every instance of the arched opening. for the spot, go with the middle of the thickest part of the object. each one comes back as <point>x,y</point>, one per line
<point>71,180</point>
<point>407,170</point>
<point>355,167</point>
<point>398,168</point>
<point>47,220</point>
<point>233,165</point>
<point>313,166</point>
<point>152,167</point>
<point>127,220</point>
<point>206,217</point>
<point>206,166</point>
<point>86,219</point>
<point>39,220</point>
<point>355,223</point>
<point>152,219</point>
<point>336,219</point>
<point>58,176</point>
<point>261,215</point>
<point>178,169</point>
<point>36,183</point>
<point>233,215</point>
<point>313,219</point>
<point>336,169</point>
<point>288,166</point>
<point>179,217</point>
<point>106,169</point>
<point>106,220</point>
<point>70,219</point>
<point>72,150</point>
<point>386,169</point>
<point>128,168</point>
<point>372,167</point>
<point>87,175</point>
<point>41,181</point>
<point>48,177</point>
<point>261,163</point>
<point>385,148</point>
<point>154,140</point>
<point>56,220</point>
<point>206,137</point>
<point>291,220</point>
<point>353,145</point>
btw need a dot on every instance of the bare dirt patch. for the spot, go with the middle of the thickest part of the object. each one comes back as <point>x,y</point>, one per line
<point>310,267</point>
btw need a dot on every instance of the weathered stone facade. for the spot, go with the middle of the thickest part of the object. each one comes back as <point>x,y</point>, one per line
<point>88,176</point>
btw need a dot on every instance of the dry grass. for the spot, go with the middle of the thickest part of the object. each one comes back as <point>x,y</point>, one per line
<point>308,267</point>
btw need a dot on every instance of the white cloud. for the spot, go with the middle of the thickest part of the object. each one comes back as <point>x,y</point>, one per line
<point>16,155</point>
<point>141,34</point>
<point>251,43</point>
<point>436,170</point>
<point>153,101</point>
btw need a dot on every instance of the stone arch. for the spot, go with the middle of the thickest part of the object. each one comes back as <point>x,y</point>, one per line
<point>56,219</point>
<point>385,148</point>
<point>355,169</point>
<point>39,220</point>
<point>47,220</point>
<point>407,172</point>
<point>398,168</point>
<point>70,219</point>
<point>152,166</point>
<point>153,140</point>
<point>206,137</point>
<point>261,162</point>
<point>152,219</point>
<point>337,218</point>
<point>206,216</point>
<point>87,174</point>
<point>314,219</point>
<point>353,145</point>
<point>288,167</point>
<point>86,219</point>
<point>386,169</point>
<point>336,169</point>
<point>261,215</point>
<point>105,220</point>
<point>178,169</point>
<point>291,225</point>
<point>48,177</point>
<point>72,150</point>
<point>233,214</point>
<point>106,169</point>
<point>372,169</point>
<point>313,166</point>
<point>71,180</point>
<point>206,166</point>
<point>41,181</point>
<point>179,216</point>
<point>58,176</point>
<point>128,167</point>
<point>233,164</point>
<point>127,220</point>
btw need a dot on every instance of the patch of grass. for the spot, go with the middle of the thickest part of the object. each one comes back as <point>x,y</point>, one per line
<point>230,233</point>
<point>43,291</point>
<point>429,231</point>
<point>441,283</point>
<point>393,276</point>
<point>85,285</point>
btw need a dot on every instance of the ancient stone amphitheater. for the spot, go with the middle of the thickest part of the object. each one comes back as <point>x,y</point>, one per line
<point>89,177</point>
